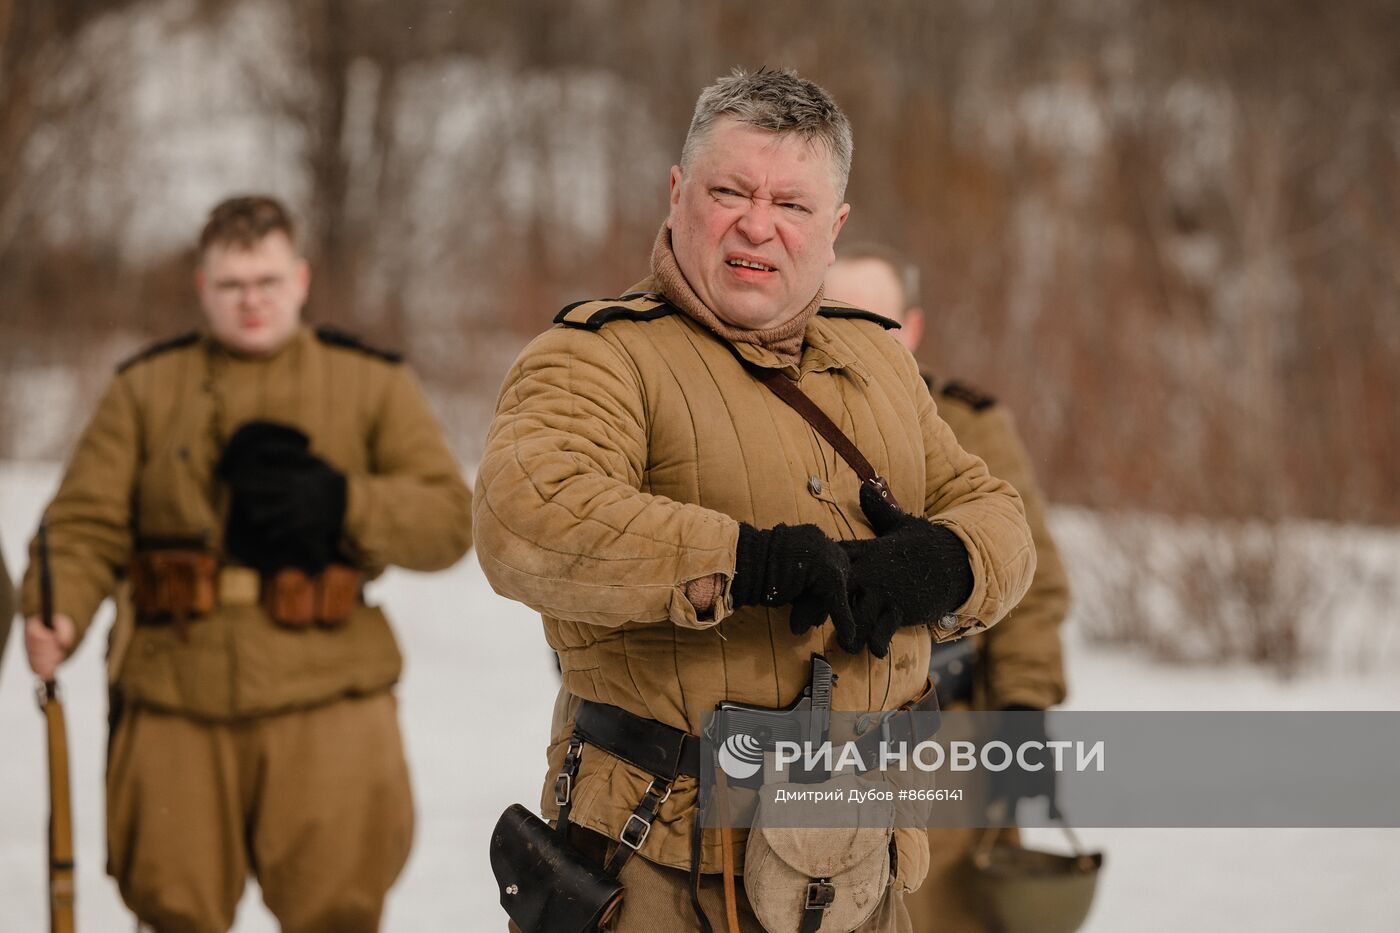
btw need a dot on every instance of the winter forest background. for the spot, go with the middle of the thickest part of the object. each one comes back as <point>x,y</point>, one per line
<point>1163,233</point>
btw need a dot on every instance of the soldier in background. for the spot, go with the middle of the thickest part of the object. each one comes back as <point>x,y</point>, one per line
<point>1017,664</point>
<point>7,607</point>
<point>241,484</point>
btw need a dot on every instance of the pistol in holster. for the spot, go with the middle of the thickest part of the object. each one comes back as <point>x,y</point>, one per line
<point>806,722</point>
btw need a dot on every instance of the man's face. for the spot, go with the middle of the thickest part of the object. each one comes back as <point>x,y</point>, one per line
<point>252,297</point>
<point>753,222</point>
<point>873,285</point>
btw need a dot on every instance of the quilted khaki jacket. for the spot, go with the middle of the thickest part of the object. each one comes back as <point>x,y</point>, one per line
<point>1021,659</point>
<point>623,455</point>
<point>144,469</point>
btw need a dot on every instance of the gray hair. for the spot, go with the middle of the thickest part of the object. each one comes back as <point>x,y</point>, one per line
<point>904,268</point>
<point>779,101</point>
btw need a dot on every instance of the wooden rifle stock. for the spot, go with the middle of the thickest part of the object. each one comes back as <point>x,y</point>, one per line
<point>62,888</point>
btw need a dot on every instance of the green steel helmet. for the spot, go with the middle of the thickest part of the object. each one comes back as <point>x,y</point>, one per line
<point>1031,891</point>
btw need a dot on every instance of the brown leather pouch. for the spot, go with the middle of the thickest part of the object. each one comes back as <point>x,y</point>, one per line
<point>289,596</point>
<point>337,593</point>
<point>173,584</point>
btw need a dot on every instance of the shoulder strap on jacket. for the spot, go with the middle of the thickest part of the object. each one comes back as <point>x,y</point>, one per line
<point>591,315</point>
<point>970,396</point>
<point>839,309</point>
<point>156,349</point>
<point>335,337</point>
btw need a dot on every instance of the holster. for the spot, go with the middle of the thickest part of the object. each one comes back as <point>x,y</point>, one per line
<point>173,584</point>
<point>546,884</point>
<point>293,598</point>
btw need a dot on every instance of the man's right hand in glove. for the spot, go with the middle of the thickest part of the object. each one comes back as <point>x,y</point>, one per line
<point>911,574</point>
<point>1018,726</point>
<point>796,565</point>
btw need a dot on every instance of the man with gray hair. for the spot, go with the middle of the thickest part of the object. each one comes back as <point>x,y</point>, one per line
<point>656,485</point>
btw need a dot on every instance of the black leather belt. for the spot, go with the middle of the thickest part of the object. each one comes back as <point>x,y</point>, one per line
<point>658,749</point>
<point>667,753</point>
<point>900,727</point>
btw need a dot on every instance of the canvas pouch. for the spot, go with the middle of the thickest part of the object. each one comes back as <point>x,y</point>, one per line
<point>841,872</point>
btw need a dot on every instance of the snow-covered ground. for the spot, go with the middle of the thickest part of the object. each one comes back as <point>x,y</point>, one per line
<point>476,661</point>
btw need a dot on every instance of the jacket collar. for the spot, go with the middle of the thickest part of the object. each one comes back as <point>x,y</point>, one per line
<point>822,350</point>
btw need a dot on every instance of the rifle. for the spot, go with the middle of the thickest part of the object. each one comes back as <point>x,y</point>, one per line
<point>61,868</point>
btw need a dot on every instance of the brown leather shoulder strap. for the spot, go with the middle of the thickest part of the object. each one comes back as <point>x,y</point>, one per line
<point>787,390</point>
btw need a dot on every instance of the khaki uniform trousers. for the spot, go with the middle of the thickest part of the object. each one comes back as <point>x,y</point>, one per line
<point>949,901</point>
<point>315,803</point>
<point>657,898</point>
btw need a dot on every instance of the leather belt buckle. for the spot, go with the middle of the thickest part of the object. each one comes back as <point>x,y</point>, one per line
<point>821,894</point>
<point>634,839</point>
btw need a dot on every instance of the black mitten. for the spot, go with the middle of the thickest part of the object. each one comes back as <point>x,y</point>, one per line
<point>912,574</point>
<point>288,506</point>
<point>1017,725</point>
<point>797,565</point>
<point>261,444</point>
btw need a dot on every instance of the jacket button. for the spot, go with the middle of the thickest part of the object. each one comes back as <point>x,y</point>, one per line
<point>814,483</point>
<point>948,623</point>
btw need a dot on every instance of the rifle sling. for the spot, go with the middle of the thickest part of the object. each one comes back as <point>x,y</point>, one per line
<point>61,880</point>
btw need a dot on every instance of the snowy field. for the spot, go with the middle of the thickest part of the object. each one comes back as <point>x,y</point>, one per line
<point>473,656</point>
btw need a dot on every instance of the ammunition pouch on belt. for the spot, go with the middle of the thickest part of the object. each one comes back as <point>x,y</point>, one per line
<point>179,584</point>
<point>295,599</point>
<point>173,584</point>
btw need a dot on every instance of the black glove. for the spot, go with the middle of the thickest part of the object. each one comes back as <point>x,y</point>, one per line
<point>288,505</point>
<point>796,564</point>
<point>1016,726</point>
<point>912,574</point>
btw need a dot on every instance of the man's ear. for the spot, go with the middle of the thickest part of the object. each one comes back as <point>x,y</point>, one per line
<point>911,330</point>
<point>675,192</point>
<point>842,213</point>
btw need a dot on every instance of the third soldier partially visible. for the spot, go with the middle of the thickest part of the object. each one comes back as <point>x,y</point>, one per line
<point>1017,664</point>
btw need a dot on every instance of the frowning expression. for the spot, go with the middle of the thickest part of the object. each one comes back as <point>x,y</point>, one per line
<point>753,222</point>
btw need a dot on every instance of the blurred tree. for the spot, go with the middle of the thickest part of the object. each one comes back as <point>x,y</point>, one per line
<point>1161,232</point>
